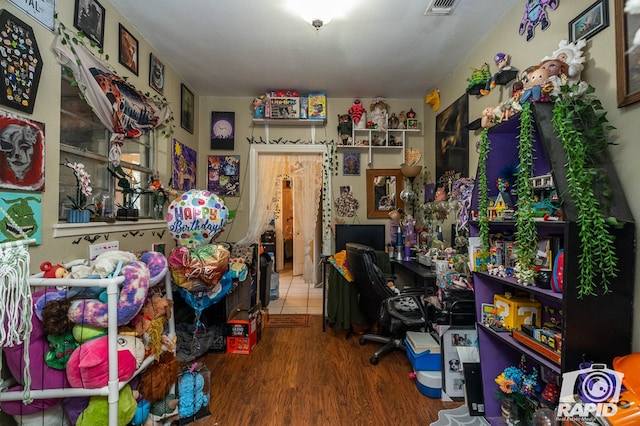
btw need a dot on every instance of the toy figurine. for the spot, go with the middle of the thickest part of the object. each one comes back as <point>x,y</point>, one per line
<point>358,114</point>
<point>378,115</point>
<point>536,87</point>
<point>345,128</point>
<point>502,62</point>
<point>258,107</point>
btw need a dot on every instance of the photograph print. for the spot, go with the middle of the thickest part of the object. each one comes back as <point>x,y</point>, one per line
<point>156,73</point>
<point>89,18</point>
<point>127,49</point>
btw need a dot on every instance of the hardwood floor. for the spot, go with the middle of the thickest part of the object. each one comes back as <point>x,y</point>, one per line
<point>303,376</point>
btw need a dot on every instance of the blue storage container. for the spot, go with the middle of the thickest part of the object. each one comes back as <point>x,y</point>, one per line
<point>430,359</point>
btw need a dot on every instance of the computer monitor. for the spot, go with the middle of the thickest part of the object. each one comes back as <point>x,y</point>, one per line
<point>373,236</point>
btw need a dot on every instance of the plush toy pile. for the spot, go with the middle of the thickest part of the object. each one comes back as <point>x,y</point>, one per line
<point>69,344</point>
<point>539,82</point>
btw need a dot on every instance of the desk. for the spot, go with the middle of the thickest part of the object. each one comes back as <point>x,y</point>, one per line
<point>342,297</point>
<point>413,274</point>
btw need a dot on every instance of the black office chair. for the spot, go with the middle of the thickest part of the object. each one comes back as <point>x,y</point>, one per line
<point>395,311</point>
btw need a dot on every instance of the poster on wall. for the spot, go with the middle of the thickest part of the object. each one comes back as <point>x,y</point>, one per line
<point>21,153</point>
<point>223,175</point>
<point>24,210</point>
<point>452,143</point>
<point>222,130</point>
<point>184,166</point>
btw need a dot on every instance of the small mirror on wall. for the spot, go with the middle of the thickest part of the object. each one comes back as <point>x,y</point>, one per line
<point>383,192</point>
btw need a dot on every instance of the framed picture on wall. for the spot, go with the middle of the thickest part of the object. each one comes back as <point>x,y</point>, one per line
<point>351,163</point>
<point>223,130</point>
<point>187,108</point>
<point>89,18</point>
<point>590,22</point>
<point>156,73</point>
<point>627,59</point>
<point>22,153</point>
<point>127,49</point>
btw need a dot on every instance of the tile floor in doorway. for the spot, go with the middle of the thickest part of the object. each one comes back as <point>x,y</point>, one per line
<point>296,297</point>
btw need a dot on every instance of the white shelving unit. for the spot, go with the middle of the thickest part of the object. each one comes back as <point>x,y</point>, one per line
<point>374,139</point>
<point>111,391</point>
<point>312,124</point>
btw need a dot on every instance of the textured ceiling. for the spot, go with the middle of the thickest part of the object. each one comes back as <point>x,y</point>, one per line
<point>244,47</point>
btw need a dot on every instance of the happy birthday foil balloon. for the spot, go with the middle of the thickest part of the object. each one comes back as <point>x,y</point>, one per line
<point>196,218</point>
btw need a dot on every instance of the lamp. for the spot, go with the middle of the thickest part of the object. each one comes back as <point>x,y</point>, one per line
<point>408,195</point>
<point>317,13</point>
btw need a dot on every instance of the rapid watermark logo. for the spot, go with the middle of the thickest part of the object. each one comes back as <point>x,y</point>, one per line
<point>598,388</point>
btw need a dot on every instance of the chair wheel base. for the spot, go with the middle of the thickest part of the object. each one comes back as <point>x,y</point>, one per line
<point>373,360</point>
<point>363,341</point>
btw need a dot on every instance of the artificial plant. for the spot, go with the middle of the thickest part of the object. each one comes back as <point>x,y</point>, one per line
<point>483,196</point>
<point>526,234</point>
<point>580,122</point>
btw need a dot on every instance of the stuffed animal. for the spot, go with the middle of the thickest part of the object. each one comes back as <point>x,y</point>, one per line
<point>88,366</point>
<point>42,376</point>
<point>535,87</point>
<point>157,379</point>
<point>191,392</point>
<point>53,271</point>
<point>132,297</point>
<point>156,307</point>
<point>345,128</point>
<point>358,114</point>
<point>98,409</point>
<point>164,411</point>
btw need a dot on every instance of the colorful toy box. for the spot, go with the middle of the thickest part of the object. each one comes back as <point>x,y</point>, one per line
<point>286,107</point>
<point>516,311</point>
<point>317,106</point>
<point>242,333</point>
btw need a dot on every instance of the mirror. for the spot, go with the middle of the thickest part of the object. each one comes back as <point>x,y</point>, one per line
<point>383,192</point>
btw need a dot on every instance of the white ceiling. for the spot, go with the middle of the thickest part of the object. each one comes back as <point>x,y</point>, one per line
<point>379,48</point>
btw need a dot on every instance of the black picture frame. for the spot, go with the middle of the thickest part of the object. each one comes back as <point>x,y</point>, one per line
<point>88,17</point>
<point>156,73</point>
<point>187,108</point>
<point>627,60</point>
<point>18,82</point>
<point>223,130</point>
<point>590,22</point>
<point>127,49</point>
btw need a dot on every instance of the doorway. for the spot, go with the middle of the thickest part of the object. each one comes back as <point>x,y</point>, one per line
<point>303,165</point>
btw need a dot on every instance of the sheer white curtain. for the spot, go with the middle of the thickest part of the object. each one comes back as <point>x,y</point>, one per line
<point>270,171</point>
<point>306,173</point>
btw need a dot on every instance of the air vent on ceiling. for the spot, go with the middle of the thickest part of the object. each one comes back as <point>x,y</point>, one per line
<point>441,7</point>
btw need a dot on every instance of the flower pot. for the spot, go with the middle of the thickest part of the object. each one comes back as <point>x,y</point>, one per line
<point>78,216</point>
<point>127,214</point>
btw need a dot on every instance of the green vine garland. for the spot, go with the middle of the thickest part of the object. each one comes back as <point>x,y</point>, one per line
<point>483,197</point>
<point>526,232</point>
<point>581,124</point>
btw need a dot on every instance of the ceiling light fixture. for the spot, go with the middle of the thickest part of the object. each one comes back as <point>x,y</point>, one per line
<point>317,13</point>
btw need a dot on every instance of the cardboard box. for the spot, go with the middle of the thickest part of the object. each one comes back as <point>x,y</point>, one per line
<point>516,311</point>
<point>317,106</point>
<point>304,108</point>
<point>287,107</point>
<point>242,333</point>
